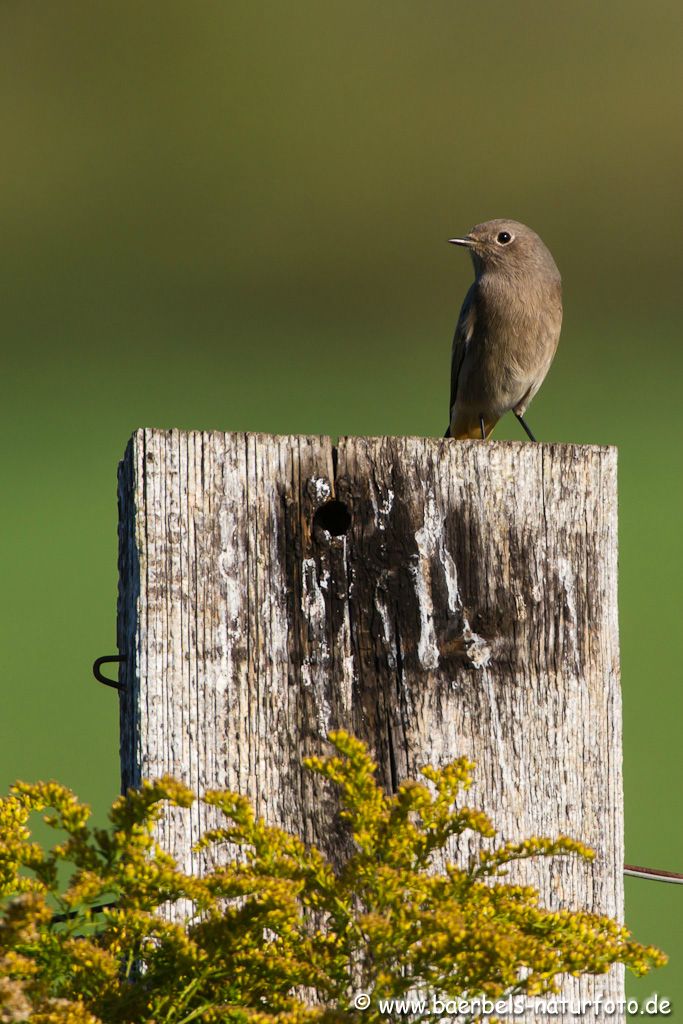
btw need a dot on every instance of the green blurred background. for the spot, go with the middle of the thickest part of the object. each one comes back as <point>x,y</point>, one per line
<point>234,216</point>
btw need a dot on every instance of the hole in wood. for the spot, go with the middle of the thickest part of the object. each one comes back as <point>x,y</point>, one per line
<point>334,517</point>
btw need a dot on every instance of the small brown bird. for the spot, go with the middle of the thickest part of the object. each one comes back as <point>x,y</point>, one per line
<point>508,328</point>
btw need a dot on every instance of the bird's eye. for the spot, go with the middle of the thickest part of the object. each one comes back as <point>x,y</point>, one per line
<point>504,237</point>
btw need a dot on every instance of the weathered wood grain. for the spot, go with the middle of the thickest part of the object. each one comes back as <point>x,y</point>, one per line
<point>470,609</point>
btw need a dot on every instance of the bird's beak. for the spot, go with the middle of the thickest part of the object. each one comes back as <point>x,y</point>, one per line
<point>467,241</point>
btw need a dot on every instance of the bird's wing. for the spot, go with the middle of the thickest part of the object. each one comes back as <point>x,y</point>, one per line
<point>463,334</point>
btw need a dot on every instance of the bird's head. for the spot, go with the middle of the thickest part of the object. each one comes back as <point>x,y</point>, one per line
<point>507,246</point>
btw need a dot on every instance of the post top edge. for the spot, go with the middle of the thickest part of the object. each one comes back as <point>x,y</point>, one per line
<point>438,442</point>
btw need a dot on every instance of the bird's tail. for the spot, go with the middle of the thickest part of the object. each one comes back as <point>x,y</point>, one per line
<point>464,430</point>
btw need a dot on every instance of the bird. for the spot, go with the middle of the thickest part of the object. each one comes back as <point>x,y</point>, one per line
<point>508,329</point>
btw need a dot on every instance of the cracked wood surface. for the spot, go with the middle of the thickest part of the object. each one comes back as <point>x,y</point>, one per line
<point>470,609</point>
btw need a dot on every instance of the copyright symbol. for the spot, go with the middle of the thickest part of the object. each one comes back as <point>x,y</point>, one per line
<point>361,1001</point>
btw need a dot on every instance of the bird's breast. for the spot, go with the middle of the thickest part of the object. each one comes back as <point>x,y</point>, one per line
<point>517,331</point>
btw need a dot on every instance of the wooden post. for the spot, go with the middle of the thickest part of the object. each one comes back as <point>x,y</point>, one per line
<point>437,598</point>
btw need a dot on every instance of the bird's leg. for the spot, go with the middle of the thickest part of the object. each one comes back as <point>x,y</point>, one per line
<point>526,426</point>
<point>483,428</point>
